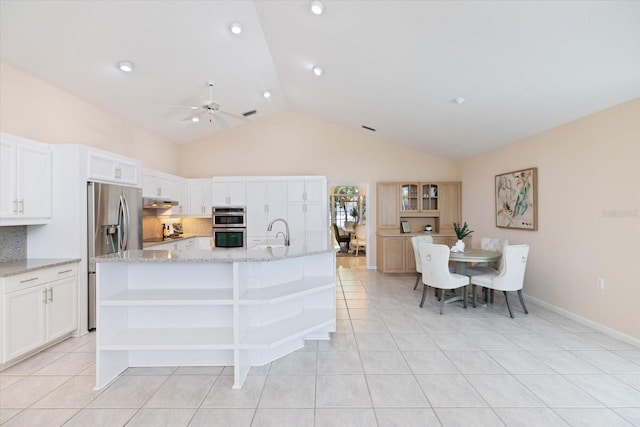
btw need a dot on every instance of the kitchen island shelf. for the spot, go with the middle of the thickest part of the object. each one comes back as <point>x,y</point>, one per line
<point>178,297</point>
<point>289,329</point>
<point>237,308</point>
<point>170,339</point>
<point>286,291</point>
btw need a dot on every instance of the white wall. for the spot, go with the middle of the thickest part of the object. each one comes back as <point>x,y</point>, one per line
<point>588,210</point>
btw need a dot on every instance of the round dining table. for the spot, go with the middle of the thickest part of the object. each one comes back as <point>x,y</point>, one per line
<point>471,256</point>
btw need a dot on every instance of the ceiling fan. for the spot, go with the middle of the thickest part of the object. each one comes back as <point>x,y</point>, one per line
<point>213,110</point>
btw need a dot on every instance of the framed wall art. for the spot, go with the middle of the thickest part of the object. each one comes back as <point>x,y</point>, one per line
<point>517,199</point>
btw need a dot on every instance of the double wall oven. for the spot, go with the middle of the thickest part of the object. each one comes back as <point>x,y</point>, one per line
<point>229,225</point>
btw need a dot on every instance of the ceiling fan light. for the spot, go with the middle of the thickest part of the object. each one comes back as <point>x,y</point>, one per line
<point>318,71</point>
<point>195,119</point>
<point>317,7</point>
<point>266,94</point>
<point>126,66</point>
<point>236,28</point>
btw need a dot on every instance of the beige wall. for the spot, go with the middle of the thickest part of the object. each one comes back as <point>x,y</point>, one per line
<point>292,143</point>
<point>35,109</point>
<point>588,209</point>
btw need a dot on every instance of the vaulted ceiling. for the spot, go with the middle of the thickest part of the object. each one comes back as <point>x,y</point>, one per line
<point>394,66</point>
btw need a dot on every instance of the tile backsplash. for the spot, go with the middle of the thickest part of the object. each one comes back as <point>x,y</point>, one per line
<point>13,243</point>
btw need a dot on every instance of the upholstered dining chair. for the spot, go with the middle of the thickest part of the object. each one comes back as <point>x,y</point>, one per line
<point>489,244</point>
<point>340,238</point>
<point>434,261</point>
<point>415,242</point>
<point>511,278</point>
<point>360,240</point>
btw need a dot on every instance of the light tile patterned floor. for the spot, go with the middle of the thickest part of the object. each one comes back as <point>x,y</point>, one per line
<point>391,363</point>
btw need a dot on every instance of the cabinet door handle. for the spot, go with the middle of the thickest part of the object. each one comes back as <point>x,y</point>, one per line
<point>118,173</point>
<point>51,295</point>
<point>65,271</point>
<point>21,202</point>
<point>15,206</point>
<point>29,280</point>
<point>44,296</point>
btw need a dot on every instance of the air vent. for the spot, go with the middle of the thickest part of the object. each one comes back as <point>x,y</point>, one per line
<point>368,128</point>
<point>249,113</point>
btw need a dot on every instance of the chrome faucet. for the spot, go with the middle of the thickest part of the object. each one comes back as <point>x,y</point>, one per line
<point>286,225</point>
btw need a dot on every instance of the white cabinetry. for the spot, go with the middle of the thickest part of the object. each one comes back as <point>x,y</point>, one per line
<point>307,210</point>
<point>238,314</point>
<point>229,191</point>
<point>109,167</point>
<point>168,187</point>
<point>200,197</point>
<point>266,201</point>
<point>25,181</point>
<point>38,308</point>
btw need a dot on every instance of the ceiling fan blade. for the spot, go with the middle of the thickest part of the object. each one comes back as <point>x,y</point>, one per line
<point>220,121</point>
<point>235,116</point>
<point>190,118</point>
<point>192,107</point>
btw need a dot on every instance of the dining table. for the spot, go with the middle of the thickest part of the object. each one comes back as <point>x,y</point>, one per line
<point>470,255</point>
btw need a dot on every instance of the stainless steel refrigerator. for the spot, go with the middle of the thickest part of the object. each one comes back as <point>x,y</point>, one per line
<point>114,224</point>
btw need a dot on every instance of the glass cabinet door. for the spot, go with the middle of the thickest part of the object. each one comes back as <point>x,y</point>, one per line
<point>429,197</point>
<point>409,197</point>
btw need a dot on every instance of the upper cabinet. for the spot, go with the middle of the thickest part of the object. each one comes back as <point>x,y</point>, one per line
<point>109,167</point>
<point>168,187</point>
<point>25,181</point>
<point>419,203</point>
<point>388,215</point>
<point>200,193</point>
<point>229,191</point>
<point>409,201</point>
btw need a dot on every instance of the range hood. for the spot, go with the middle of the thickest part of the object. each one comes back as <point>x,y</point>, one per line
<point>153,203</point>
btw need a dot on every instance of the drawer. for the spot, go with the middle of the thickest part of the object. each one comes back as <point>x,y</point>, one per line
<point>61,272</point>
<point>23,281</point>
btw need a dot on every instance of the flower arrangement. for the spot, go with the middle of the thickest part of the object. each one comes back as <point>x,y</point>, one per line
<point>461,232</point>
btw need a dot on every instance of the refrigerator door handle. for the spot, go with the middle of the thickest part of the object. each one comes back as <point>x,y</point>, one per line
<point>124,212</point>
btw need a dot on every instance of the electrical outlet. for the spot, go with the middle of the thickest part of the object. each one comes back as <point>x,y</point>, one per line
<point>600,283</point>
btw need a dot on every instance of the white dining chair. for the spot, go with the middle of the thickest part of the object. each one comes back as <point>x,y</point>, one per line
<point>415,242</point>
<point>360,240</point>
<point>489,244</point>
<point>509,279</point>
<point>435,272</point>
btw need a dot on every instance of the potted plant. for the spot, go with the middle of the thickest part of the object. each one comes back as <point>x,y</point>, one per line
<point>461,233</point>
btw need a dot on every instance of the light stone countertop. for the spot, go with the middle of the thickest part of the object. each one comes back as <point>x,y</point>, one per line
<point>414,233</point>
<point>150,244</point>
<point>259,253</point>
<point>11,268</point>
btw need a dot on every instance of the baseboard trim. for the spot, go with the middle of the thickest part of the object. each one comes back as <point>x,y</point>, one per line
<point>597,326</point>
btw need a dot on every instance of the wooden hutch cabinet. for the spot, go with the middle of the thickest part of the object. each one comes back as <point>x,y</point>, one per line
<point>418,204</point>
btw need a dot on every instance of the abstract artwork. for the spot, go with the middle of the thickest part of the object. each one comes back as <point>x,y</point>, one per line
<point>517,199</point>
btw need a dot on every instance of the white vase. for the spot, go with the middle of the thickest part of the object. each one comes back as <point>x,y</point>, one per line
<point>460,246</point>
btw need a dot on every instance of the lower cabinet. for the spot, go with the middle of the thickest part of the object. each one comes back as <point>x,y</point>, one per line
<point>38,308</point>
<point>395,253</point>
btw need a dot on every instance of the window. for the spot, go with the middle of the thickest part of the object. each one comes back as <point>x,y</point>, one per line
<point>347,204</point>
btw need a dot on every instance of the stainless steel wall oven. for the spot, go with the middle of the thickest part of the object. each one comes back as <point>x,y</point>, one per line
<point>229,226</point>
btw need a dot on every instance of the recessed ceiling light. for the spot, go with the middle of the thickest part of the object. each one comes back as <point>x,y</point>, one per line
<point>266,94</point>
<point>459,100</point>
<point>317,7</point>
<point>317,71</point>
<point>235,28</point>
<point>195,119</point>
<point>126,66</point>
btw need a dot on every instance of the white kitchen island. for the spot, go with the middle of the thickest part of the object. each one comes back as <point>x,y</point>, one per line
<point>221,307</point>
